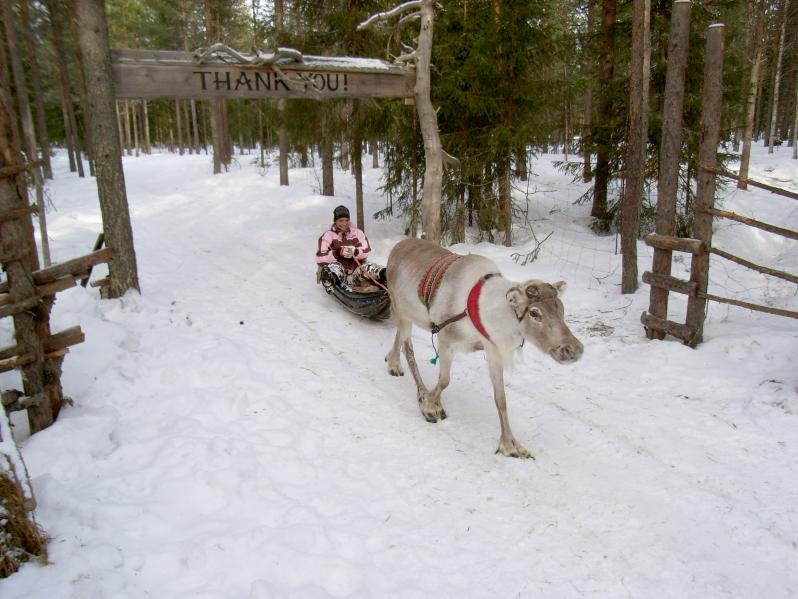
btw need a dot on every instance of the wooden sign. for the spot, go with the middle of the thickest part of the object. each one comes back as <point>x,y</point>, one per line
<point>148,74</point>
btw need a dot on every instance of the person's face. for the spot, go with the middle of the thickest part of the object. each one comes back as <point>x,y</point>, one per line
<point>342,224</point>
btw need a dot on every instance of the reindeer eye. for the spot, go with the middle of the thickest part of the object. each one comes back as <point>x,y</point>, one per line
<point>535,314</point>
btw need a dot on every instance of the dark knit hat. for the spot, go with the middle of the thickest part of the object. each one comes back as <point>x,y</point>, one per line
<point>340,212</point>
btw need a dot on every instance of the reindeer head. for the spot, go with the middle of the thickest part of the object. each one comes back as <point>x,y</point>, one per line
<point>541,318</point>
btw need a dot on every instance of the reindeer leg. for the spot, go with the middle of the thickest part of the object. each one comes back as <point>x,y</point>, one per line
<point>445,357</point>
<point>508,446</point>
<point>431,409</point>
<point>403,330</point>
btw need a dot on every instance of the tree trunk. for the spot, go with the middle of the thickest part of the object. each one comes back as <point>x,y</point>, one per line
<point>203,116</point>
<point>357,167</point>
<point>179,126</point>
<point>428,120</point>
<point>670,149</point>
<point>506,201</point>
<point>128,128</point>
<point>587,170</point>
<point>146,124</point>
<point>261,141</point>
<point>283,134</point>
<point>414,204</point>
<point>31,326</point>
<point>67,112</point>
<point>638,141</point>
<point>26,118</point>
<point>777,77</point>
<point>187,121</point>
<point>136,141</point>
<point>326,151</point>
<point>753,88</point>
<point>194,126</point>
<point>603,117</point>
<point>36,85</point>
<point>93,40</point>
<point>83,92</point>
<point>795,125</point>
<point>707,157</point>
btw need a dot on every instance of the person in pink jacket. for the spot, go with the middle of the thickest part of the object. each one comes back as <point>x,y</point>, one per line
<point>343,252</point>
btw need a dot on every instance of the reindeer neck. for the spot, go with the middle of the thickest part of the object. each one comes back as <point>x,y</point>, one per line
<point>497,315</point>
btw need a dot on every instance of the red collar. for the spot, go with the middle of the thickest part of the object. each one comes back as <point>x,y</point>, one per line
<point>472,305</point>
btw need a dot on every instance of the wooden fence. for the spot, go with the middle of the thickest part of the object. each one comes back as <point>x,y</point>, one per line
<point>655,320</point>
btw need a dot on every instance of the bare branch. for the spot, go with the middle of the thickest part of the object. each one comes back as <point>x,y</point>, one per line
<point>407,18</point>
<point>411,57</point>
<point>384,16</point>
<point>257,59</point>
<point>449,160</point>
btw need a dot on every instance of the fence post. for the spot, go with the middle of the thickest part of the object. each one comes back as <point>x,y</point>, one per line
<point>707,158</point>
<point>670,153</point>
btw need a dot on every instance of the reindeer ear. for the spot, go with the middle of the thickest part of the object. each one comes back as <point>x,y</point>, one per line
<point>560,286</point>
<point>533,292</point>
<point>516,298</point>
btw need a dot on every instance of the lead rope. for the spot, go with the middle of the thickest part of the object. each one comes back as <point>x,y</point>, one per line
<point>374,280</point>
<point>434,360</point>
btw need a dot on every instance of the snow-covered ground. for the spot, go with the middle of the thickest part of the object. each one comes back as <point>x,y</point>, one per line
<point>235,434</point>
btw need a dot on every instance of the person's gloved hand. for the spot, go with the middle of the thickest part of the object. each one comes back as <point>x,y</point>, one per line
<point>347,251</point>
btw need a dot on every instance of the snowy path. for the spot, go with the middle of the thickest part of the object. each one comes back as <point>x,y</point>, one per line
<point>235,437</point>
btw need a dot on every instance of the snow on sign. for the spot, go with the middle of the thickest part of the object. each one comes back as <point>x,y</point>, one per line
<point>220,72</point>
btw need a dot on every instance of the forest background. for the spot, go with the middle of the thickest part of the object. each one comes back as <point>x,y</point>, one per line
<point>511,80</point>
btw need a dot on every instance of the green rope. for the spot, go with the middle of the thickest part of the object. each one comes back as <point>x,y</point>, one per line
<point>434,360</point>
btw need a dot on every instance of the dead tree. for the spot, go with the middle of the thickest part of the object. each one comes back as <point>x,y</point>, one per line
<point>424,11</point>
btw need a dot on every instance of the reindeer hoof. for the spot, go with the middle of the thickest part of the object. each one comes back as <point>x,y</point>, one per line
<point>513,449</point>
<point>432,411</point>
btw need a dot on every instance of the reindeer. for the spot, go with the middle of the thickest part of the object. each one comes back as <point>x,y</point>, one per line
<point>472,307</point>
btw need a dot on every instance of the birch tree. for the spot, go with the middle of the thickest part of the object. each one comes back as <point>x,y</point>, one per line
<point>421,56</point>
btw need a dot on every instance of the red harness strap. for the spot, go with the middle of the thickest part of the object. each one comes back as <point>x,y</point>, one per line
<point>430,282</point>
<point>472,306</point>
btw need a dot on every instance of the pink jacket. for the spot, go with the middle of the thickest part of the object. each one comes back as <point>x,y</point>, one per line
<point>332,241</point>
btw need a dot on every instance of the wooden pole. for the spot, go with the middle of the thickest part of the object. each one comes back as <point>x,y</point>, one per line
<point>790,234</point>
<point>707,155</point>
<point>670,152</point>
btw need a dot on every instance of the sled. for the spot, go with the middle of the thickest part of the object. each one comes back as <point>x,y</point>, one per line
<point>367,300</point>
